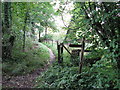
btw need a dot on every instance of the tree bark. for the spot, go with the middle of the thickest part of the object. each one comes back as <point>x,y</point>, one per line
<point>45,32</point>
<point>24,29</point>
<point>32,30</point>
<point>39,36</point>
<point>6,17</point>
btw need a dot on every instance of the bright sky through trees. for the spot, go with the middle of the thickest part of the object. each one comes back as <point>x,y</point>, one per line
<point>66,15</point>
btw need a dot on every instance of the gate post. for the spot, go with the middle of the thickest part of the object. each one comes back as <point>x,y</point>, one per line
<point>81,55</point>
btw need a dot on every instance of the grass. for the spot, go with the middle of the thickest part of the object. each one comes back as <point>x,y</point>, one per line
<point>26,62</point>
<point>53,47</point>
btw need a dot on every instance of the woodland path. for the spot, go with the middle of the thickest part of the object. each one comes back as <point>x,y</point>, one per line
<point>27,81</point>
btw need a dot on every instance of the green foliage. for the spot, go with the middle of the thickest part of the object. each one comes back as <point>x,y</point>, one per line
<point>25,62</point>
<point>48,36</point>
<point>56,77</point>
<point>101,76</point>
<point>95,54</point>
<point>98,22</point>
<point>66,58</point>
<point>39,16</point>
<point>53,47</point>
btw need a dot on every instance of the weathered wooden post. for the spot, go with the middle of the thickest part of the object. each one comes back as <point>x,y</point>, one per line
<point>81,55</point>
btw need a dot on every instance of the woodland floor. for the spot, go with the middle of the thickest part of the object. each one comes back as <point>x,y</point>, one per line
<point>26,81</point>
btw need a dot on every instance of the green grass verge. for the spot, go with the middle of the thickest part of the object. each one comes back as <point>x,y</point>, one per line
<point>53,47</point>
<point>25,62</point>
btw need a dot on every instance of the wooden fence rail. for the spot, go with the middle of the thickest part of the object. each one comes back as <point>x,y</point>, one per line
<point>67,50</point>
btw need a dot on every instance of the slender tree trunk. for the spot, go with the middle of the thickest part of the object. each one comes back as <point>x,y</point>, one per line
<point>7,29</point>
<point>6,17</point>
<point>24,29</point>
<point>67,34</point>
<point>45,31</point>
<point>0,33</point>
<point>39,36</point>
<point>10,15</point>
<point>32,29</point>
<point>46,34</point>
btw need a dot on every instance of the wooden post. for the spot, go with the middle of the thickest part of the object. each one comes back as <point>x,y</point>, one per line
<point>81,55</point>
<point>61,52</point>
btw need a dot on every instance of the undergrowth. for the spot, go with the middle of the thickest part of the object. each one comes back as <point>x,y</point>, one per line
<point>102,75</point>
<point>25,62</point>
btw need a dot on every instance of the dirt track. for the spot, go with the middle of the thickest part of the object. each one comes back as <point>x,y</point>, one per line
<point>26,81</point>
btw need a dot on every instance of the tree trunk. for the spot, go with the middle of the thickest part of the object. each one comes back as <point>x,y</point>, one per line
<point>6,17</point>
<point>10,16</point>
<point>7,28</point>
<point>39,36</point>
<point>0,34</point>
<point>45,31</point>
<point>32,29</point>
<point>67,34</point>
<point>24,29</point>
